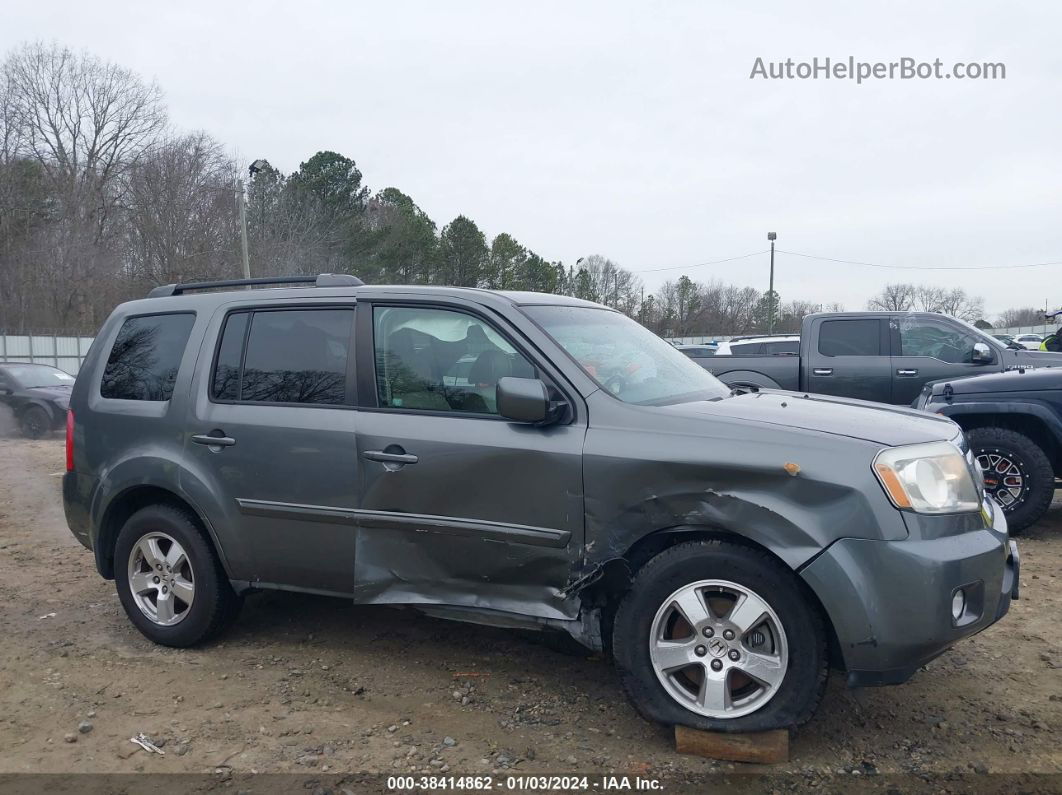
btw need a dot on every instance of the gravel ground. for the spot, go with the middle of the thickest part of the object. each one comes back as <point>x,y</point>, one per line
<point>315,686</point>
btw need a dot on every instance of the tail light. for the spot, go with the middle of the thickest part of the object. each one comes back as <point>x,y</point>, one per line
<point>69,440</point>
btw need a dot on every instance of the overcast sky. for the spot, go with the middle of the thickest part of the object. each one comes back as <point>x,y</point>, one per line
<point>634,130</point>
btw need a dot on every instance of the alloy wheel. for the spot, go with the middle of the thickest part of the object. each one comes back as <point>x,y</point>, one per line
<point>718,649</point>
<point>1004,477</point>
<point>161,579</point>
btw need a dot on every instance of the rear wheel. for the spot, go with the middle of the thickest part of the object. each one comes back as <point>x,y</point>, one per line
<point>1017,473</point>
<point>169,580</point>
<point>34,422</point>
<point>718,636</point>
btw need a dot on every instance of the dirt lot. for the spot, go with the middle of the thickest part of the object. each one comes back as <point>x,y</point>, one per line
<point>312,685</point>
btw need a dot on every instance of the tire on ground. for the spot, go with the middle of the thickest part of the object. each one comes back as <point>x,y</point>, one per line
<point>1035,466</point>
<point>35,423</point>
<point>801,690</point>
<point>215,604</point>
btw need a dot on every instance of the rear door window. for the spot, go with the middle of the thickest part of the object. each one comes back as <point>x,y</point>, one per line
<point>145,357</point>
<point>850,337</point>
<point>299,356</point>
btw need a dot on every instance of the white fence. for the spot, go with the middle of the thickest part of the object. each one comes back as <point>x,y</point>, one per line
<point>66,353</point>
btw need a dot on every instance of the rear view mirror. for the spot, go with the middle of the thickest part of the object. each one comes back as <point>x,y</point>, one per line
<point>523,399</point>
<point>982,354</point>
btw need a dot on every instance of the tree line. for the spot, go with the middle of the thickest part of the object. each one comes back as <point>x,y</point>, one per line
<point>101,199</point>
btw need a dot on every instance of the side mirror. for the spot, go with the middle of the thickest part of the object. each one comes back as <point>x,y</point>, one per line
<point>982,354</point>
<point>523,399</point>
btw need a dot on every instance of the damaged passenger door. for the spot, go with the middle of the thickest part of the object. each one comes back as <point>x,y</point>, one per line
<point>459,506</point>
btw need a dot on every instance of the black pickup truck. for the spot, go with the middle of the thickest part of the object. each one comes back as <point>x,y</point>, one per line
<point>881,356</point>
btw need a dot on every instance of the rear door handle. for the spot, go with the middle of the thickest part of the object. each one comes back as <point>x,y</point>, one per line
<point>390,458</point>
<point>906,372</point>
<point>823,371</point>
<point>213,441</point>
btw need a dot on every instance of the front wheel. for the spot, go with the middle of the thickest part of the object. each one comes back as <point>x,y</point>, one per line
<point>1017,473</point>
<point>35,422</point>
<point>718,636</point>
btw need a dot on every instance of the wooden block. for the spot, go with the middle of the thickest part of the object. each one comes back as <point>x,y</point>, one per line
<point>762,747</point>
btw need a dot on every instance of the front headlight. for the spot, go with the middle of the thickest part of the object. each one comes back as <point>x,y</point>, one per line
<point>927,478</point>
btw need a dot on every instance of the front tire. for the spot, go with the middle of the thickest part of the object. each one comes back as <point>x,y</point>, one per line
<point>718,636</point>
<point>169,580</point>
<point>35,423</point>
<point>1018,474</point>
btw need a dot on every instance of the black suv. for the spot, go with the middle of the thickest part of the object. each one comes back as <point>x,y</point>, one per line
<point>1013,422</point>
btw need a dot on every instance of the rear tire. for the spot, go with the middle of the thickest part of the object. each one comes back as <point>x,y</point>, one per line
<point>162,548</point>
<point>791,637</point>
<point>35,423</point>
<point>1003,449</point>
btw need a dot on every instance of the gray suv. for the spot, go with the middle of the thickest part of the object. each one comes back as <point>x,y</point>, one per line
<point>525,460</point>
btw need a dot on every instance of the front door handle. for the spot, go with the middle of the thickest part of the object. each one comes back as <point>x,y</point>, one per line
<point>823,371</point>
<point>390,458</point>
<point>214,441</point>
<point>905,373</point>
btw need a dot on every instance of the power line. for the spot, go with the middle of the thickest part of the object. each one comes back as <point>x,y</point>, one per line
<point>921,267</point>
<point>699,264</point>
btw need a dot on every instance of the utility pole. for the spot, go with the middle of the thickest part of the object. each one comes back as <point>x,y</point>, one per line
<point>242,198</point>
<point>770,290</point>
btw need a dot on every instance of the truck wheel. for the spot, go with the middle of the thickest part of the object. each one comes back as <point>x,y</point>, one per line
<point>34,422</point>
<point>1017,474</point>
<point>169,580</point>
<point>715,635</point>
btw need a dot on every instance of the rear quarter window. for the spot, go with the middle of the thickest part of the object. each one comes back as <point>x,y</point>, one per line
<point>145,357</point>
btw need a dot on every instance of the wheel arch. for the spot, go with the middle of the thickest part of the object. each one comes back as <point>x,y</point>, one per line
<point>748,377</point>
<point>37,403</point>
<point>129,501</point>
<point>1030,420</point>
<point>616,574</point>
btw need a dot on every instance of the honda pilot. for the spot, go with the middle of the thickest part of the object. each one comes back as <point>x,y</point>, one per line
<point>525,460</point>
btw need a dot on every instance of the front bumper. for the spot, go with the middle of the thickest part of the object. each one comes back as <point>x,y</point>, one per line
<point>890,602</point>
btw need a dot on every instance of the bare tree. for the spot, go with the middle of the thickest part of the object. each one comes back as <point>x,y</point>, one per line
<point>957,303</point>
<point>83,122</point>
<point>928,298</point>
<point>894,298</point>
<point>180,219</point>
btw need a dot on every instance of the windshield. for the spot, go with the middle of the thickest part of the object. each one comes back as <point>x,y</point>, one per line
<point>625,358</point>
<point>29,376</point>
<point>981,332</point>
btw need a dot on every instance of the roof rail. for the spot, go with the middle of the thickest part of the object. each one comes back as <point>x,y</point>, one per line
<point>321,280</point>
